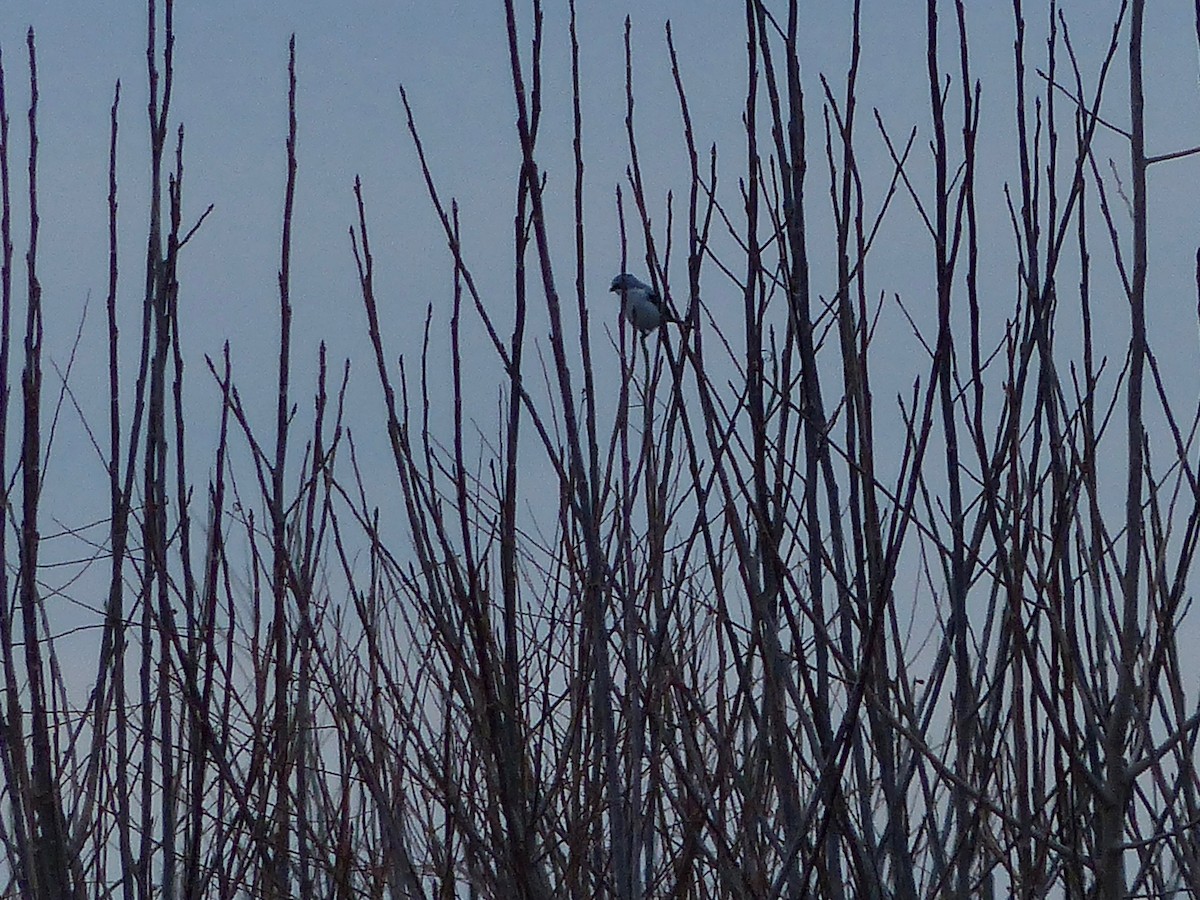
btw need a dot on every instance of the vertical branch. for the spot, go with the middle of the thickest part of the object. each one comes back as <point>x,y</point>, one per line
<point>1110,871</point>
<point>113,643</point>
<point>15,762</point>
<point>282,761</point>
<point>153,525</point>
<point>964,723</point>
<point>580,293</point>
<point>193,742</point>
<point>167,336</point>
<point>1071,798</point>
<point>633,707</point>
<point>51,875</point>
<point>119,510</point>
<point>512,430</point>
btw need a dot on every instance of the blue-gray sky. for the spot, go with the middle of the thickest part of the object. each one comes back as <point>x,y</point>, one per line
<point>230,95</point>
<point>452,57</point>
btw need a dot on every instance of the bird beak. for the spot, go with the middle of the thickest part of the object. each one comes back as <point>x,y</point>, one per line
<point>613,288</point>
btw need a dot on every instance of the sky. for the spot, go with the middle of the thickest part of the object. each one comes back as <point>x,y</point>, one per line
<point>230,96</point>
<point>452,58</point>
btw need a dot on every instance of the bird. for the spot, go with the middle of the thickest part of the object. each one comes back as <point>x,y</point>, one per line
<point>640,303</point>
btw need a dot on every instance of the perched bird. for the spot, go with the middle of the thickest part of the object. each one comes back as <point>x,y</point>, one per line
<point>641,304</point>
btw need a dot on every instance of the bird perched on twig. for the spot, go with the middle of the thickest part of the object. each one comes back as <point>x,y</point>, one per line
<point>640,303</point>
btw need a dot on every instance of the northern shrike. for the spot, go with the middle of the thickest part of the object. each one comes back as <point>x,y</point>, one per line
<point>641,304</point>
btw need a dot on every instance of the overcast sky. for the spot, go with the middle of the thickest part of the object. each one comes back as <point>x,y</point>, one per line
<point>230,95</point>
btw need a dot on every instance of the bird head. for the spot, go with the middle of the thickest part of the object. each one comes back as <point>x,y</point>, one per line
<point>625,282</point>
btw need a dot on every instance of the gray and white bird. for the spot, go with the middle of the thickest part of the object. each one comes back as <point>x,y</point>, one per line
<point>640,303</point>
